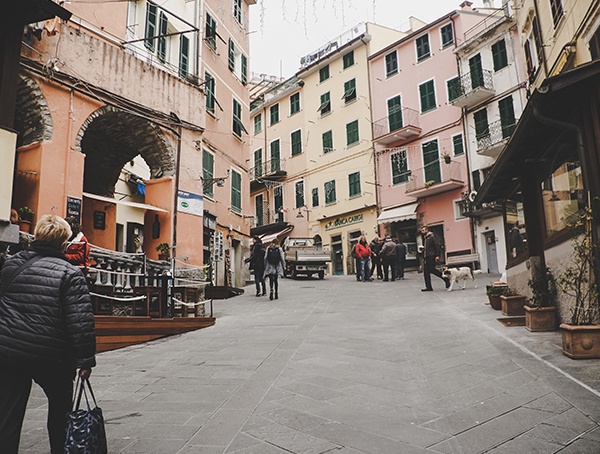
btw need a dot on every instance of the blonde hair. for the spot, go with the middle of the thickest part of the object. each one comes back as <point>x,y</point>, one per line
<point>53,229</point>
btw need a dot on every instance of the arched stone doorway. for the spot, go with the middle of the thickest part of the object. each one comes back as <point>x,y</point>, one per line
<point>32,114</point>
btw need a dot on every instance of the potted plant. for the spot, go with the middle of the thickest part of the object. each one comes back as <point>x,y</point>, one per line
<point>494,292</point>
<point>447,158</point>
<point>512,303</point>
<point>540,313</point>
<point>581,336</point>
<point>164,251</point>
<point>26,216</point>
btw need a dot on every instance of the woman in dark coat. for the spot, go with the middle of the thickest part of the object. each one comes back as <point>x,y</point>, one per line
<point>257,263</point>
<point>46,332</point>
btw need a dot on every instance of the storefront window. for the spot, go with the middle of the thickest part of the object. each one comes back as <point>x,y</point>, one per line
<point>562,195</point>
<point>516,237</point>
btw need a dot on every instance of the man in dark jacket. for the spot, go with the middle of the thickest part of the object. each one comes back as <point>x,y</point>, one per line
<point>431,256</point>
<point>375,246</point>
<point>46,332</point>
<point>400,259</point>
<point>257,263</point>
<point>388,258</point>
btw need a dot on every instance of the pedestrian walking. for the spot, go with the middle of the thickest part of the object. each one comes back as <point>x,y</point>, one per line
<point>400,259</point>
<point>356,261</point>
<point>257,264</point>
<point>388,258</point>
<point>78,248</point>
<point>363,251</point>
<point>274,266</point>
<point>375,246</point>
<point>46,332</point>
<point>431,256</point>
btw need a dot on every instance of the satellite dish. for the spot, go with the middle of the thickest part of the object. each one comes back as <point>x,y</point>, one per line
<point>472,196</point>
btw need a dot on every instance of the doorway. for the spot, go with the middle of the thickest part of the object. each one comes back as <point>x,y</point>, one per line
<point>491,252</point>
<point>338,254</point>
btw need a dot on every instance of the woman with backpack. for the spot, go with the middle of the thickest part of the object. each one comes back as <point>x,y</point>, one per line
<point>274,266</point>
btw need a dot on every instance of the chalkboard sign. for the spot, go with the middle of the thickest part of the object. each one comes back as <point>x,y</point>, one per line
<point>74,209</point>
<point>99,220</point>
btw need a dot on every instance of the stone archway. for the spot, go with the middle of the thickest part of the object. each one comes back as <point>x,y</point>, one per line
<point>110,138</point>
<point>32,114</point>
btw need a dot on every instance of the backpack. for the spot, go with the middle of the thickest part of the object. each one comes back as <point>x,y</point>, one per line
<point>273,255</point>
<point>353,252</point>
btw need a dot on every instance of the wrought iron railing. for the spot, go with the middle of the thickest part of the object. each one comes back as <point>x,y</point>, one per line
<point>267,168</point>
<point>433,173</point>
<point>471,81</point>
<point>404,117</point>
<point>495,133</point>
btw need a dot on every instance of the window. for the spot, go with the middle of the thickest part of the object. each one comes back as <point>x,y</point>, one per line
<point>394,106</point>
<point>244,77</point>
<point>274,114</point>
<point>431,162</point>
<point>348,59</point>
<point>296,142</point>
<point>324,73</point>
<point>150,26</point>
<point>423,51</point>
<point>595,45</point>
<point>208,169</point>
<point>163,26</point>
<point>516,235</point>
<point>454,89</point>
<point>275,156</point>
<point>349,91</point>
<point>352,133</point>
<point>209,83</point>
<point>325,106</point>
<point>562,197</point>
<point>499,55</point>
<point>399,165</point>
<point>482,130</point>
<point>457,145</point>
<point>231,59</point>
<point>258,123</point>
<point>299,193</point>
<point>295,103</point>
<point>238,127</point>
<point>507,116</point>
<point>447,35</point>
<point>459,209</point>
<point>330,192</point>
<point>476,69</point>
<point>258,164</point>
<point>427,94</point>
<point>278,201</point>
<point>476,179</point>
<point>315,197</point>
<point>327,139</point>
<point>184,55</point>
<point>210,32</point>
<point>236,191</point>
<point>391,64</point>
<point>557,11</point>
<point>354,184</point>
<point>260,210</point>
<point>237,10</point>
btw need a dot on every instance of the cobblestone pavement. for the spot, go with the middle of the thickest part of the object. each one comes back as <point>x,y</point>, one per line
<point>343,367</point>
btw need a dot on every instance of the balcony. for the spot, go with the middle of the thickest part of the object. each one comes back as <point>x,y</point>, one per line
<point>272,170</point>
<point>493,141</point>
<point>435,178</point>
<point>473,88</point>
<point>397,127</point>
<point>480,211</point>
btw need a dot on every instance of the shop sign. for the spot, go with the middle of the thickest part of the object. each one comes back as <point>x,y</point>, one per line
<point>190,203</point>
<point>74,208</point>
<point>341,222</point>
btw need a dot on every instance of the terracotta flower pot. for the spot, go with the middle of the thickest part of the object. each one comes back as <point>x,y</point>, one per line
<point>24,226</point>
<point>495,302</point>
<point>581,342</point>
<point>513,305</point>
<point>539,319</point>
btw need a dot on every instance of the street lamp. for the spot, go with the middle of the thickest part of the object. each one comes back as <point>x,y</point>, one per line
<point>208,182</point>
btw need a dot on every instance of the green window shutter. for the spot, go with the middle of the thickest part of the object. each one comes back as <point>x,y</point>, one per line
<point>324,73</point>
<point>352,132</point>
<point>330,196</point>
<point>299,193</point>
<point>150,27</point>
<point>210,92</point>
<point>296,142</point>
<point>481,124</point>
<point>349,91</point>
<point>476,69</point>
<point>236,191</point>
<point>391,64</point>
<point>325,106</point>
<point>327,138</point>
<point>507,116</point>
<point>260,210</point>
<point>399,164</point>
<point>257,123</point>
<point>423,50</point>
<point>499,55</point>
<point>427,94</point>
<point>348,59</point>
<point>258,166</point>
<point>431,162</point>
<point>244,69</point>
<point>184,55</point>
<point>274,114</point>
<point>454,89</point>
<point>457,145</point>
<point>315,197</point>
<point>231,55</point>
<point>238,126</point>
<point>237,10</point>
<point>394,106</point>
<point>275,156</point>
<point>294,103</point>
<point>447,35</point>
<point>210,32</point>
<point>354,184</point>
<point>208,165</point>
<point>476,179</point>
<point>163,25</point>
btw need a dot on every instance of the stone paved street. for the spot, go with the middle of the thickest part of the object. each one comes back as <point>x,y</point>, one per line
<point>338,366</point>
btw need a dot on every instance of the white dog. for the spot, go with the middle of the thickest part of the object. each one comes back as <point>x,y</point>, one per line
<point>460,273</point>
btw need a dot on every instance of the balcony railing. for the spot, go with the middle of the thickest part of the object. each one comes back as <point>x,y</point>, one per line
<point>472,88</point>
<point>270,168</point>
<point>492,141</point>
<point>480,211</point>
<point>396,127</point>
<point>269,217</point>
<point>435,178</point>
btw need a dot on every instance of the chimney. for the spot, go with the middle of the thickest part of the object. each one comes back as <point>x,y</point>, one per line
<point>466,5</point>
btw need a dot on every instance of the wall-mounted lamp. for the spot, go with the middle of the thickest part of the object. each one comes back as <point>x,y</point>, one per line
<point>219,181</point>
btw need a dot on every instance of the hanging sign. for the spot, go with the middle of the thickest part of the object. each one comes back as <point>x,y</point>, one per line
<point>190,203</point>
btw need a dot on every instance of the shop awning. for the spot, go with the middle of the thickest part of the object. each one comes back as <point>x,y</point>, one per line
<point>401,213</point>
<point>141,206</point>
<point>271,236</point>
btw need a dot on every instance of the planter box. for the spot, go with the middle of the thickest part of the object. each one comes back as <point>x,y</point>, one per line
<point>581,342</point>
<point>513,305</point>
<point>495,302</point>
<point>540,318</point>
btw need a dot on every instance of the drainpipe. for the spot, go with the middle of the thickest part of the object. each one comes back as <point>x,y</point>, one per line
<point>176,191</point>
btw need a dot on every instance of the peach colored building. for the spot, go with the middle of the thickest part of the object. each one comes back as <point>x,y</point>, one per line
<point>419,136</point>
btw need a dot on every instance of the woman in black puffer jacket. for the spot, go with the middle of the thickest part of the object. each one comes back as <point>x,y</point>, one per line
<point>46,332</point>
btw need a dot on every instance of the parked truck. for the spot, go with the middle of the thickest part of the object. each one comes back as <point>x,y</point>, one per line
<point>304,257</point>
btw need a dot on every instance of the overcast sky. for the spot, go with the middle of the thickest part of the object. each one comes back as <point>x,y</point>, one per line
<point>282,31</point>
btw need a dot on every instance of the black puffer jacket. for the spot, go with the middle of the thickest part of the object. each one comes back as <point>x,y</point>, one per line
<point>46,317</point>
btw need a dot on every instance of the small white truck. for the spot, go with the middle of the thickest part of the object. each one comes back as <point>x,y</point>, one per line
<point>303,257</point>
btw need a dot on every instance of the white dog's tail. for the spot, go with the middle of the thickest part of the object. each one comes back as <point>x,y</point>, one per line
<point>477,272</point>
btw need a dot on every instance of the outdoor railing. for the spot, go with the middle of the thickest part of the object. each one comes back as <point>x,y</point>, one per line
<point>267,168</point>
<point>495,133</point>
<point>402,118</point>
<point>471,81</point>
<point>433,173</point>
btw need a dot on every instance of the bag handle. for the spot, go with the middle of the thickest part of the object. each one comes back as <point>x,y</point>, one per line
<point>80,391</point>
